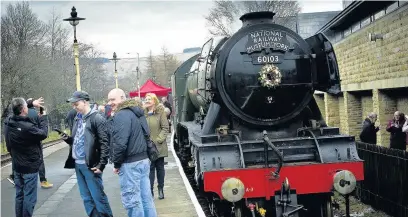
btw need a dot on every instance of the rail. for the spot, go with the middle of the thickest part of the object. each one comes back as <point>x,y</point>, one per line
<point>6,158</point>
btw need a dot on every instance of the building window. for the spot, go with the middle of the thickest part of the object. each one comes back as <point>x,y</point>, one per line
<point>379,14</point>
<point>365,22</point>
<point>355,27</point>
<point>347,32</point>
<point>392,7</point>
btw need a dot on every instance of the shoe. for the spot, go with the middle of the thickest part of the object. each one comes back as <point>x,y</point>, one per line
<point>161,194</point>
<point>46,184</point>
<point>11,180</point>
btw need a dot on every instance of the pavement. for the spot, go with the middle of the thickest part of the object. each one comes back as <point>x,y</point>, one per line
<point>63,200</point>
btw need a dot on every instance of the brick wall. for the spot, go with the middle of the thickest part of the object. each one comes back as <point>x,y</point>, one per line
<point>374,76</point>
<point>320,103</point>
<point>361,60</point>
<point>342,113</point>
<point>352,108</point>
<point>402,104</point>
<point>384,106</point>
<point>331,104</point>
<point>366,106</point>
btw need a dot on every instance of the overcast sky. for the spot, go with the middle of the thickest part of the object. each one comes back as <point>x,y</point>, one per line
<point>140,26</point>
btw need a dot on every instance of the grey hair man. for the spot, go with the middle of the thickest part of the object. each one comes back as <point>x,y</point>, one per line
<point>369,132</point>
<point>129,129</point>
<point>23,141</point>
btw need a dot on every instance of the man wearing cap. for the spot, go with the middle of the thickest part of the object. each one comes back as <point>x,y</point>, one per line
<point>89,151</point>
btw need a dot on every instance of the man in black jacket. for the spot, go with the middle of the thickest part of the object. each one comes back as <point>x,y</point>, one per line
<point>23,141</point>
<point>369,132</point>
<point>88,154</point>
<point>129,154</point>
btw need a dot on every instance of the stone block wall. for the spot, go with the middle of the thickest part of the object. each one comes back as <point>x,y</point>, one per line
<point>320,103</point>
<point>366,106</point>
<point>331,111</point>
<point>352,109</point>
<point>361,60</point>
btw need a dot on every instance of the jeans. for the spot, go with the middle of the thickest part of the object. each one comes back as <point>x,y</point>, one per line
<point>26,193</point>
<point>41,171</point>
<point>134,185</point>
<point>91,189</point>
<point>157,165</point>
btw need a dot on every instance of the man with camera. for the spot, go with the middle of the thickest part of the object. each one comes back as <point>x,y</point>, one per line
<point>23,141</point>
<point>34,116</point>
<point>88,154</point>
<point>395,127</point>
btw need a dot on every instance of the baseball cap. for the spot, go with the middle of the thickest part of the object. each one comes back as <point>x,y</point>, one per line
<point>79,95</point>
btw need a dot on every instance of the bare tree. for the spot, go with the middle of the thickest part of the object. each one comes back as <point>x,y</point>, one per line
<point>224,14</point>
<point>168,63</point>
<point>151,66</point>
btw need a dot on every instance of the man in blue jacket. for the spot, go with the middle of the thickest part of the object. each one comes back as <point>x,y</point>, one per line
<point>129,154</point>
<point>23,141</point>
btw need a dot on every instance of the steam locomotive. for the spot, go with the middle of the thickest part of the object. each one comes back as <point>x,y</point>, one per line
<point>248,125</point>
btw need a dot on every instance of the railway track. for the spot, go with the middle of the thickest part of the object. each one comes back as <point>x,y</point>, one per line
<point>6,158</point>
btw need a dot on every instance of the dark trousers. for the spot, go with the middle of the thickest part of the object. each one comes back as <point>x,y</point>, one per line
<point>41,171</point>
<point>158,166</point>
<point>26,193</point>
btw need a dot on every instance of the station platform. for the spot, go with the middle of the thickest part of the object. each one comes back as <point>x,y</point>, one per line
<point>63,200</point>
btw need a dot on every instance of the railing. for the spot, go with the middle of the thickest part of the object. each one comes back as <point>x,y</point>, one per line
<point>385,185</point>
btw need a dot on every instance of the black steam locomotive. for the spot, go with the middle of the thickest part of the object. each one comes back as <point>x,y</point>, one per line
<point>248,125</point>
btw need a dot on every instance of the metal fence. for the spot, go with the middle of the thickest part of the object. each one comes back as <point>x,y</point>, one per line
<point>385,185</point>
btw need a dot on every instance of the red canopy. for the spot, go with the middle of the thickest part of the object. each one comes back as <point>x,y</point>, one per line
<point>150,87</point>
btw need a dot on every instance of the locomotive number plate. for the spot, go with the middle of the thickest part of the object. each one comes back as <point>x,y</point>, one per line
<point>264,59</point>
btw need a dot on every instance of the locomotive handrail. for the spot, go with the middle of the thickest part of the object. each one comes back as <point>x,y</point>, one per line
<point>240,150</point>
<point>317,145</point>
<point>280,156</point>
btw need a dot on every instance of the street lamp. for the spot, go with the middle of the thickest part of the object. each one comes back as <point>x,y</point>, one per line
<point>115,59</point>
<point>74,21</point>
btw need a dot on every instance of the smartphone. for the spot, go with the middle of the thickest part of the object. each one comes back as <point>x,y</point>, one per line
<point>60,132</point>
<point>41,110</point>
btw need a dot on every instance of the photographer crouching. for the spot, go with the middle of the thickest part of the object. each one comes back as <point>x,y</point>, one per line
<point>23,141</point>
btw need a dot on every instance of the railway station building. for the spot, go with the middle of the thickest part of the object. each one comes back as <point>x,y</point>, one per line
<point>370,39</point>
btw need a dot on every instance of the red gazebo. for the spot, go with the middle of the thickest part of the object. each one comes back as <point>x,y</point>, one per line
<point>150,87</point>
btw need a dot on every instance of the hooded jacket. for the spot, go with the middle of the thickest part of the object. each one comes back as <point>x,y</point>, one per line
<point>96,141</point>
<point>128,134</point>
<point>23,140</point>
<point>159,128</point>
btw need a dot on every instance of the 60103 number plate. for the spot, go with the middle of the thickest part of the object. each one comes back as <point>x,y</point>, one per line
<point>265,59</point>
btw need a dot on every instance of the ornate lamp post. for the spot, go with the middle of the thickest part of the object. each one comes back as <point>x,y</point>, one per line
<point>74,21</point>
<point>115,59</point>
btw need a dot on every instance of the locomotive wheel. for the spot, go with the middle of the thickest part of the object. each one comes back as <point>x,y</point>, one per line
<point>327,208</point>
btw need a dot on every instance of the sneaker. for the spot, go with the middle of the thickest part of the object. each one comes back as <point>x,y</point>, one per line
<point>46,184</point>
<point>11,180</point>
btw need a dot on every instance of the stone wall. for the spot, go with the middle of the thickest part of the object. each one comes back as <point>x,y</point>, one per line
<point>374,76</point>
<point>362,61</point>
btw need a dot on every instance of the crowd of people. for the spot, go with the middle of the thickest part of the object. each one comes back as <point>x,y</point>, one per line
<point>397,127</point>
<point>116,133</point>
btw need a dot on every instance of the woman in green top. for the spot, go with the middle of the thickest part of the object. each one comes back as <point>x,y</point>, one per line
<point>159,128</point>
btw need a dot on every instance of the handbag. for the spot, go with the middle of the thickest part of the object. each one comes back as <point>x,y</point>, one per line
<point>152,151</point>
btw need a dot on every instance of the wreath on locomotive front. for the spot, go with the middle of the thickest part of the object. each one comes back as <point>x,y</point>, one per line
<point>270,76</point>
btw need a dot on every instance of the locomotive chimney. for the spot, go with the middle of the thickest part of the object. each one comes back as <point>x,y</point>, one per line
<point>257,18</point>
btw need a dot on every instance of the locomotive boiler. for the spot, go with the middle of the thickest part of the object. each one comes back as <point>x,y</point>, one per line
<point>247,124</point>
